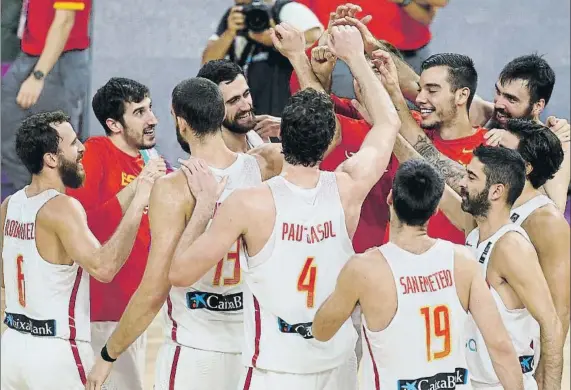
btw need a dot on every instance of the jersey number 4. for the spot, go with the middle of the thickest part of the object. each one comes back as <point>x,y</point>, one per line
<point>306,281</point>
<point>21,281</point>
<point>437,324</point>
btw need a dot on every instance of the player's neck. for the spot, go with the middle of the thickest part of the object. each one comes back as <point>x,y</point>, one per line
<point>490,224</point>
<point>119,141</point>
<point>527,194</point>
<point>303,177</point>
<point>459,127</point>
<point>238,143</point>
<point>212,150</point>
<point>413,239</point>
<point>44,182</point>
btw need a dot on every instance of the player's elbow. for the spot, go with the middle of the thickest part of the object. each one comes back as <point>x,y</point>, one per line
<point>319,331</point>
<point>102,273</point>
<point>177,278</point>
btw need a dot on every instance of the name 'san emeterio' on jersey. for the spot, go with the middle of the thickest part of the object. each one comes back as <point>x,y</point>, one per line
<point>307,234</point>
<point>427,283</point>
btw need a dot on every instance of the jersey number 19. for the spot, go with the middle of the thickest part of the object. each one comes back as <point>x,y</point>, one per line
<point>437,324</point>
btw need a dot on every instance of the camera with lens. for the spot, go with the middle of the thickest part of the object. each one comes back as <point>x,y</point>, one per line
<point>257,15</point>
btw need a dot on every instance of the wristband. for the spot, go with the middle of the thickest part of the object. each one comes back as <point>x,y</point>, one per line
<point>105,355</point>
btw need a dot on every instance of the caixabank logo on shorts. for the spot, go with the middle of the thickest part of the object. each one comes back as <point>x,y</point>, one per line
<point>196,300</point>
<point>302,329</point>
<point>23,324</point>
<point>526,363</point>
<point>443,380</point>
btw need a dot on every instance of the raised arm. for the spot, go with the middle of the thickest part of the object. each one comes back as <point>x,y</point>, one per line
<point>485,312</point>
<point>516,260</point>
<point>368,165</point>
<point>101,262</point>
<point>554,257</point>
<point>451,202</point>
<point>228,225</point>
<point>557,187</point>
<point>167,209</point>
<point>338,307</point>
<point>453,172</point>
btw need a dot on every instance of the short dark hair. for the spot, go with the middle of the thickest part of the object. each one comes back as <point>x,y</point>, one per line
<point>461,71</point>
<point>109,100</point>
<point>417,190</point>
<point>219,71</point>
<point>503,166</point>
<point>199,102</point>
<point>533,69</point>
<point>538,146</point>
<point>307,127</point>
<point>36,136</point>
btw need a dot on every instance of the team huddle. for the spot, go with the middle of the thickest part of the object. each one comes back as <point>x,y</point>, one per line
<point>248,246</point>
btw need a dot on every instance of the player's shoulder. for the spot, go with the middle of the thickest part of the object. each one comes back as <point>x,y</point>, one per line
<point>97,143</point>
<point>364,263</point>
<point>5,203</point>
<point>465,264</point>
<point>171,188</point>
<point>545,220</point>
<point>61,208</point>
<point>512,245</point>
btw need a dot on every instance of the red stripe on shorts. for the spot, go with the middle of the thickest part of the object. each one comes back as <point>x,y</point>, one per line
<point>169,313</point>
<point>375,370</point>
<point>173,367</point>
<point>72,331</point>
<point>248,380</point>
<point>258,322</point>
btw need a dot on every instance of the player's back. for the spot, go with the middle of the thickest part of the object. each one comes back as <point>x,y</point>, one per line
<point>208,315</point>
<point>521,326</point>
<point>292,275</point>
<point>423,344</point>
<point>520,214</point>
<point>42,299</point>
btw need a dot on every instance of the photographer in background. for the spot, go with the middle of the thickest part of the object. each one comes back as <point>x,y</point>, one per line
<point>243,36</point>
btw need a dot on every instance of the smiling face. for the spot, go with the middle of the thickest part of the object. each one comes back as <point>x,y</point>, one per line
<point>436,99</point>
<point>70,153</point>
<point>239,107</point>
<point>512,100</point>
<point>139,124</point>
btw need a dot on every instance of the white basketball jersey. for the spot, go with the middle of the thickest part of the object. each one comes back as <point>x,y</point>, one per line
<point>208,315</point>
<point>291,277</point>
<point>42,299</point>
<point>521,326</point>
<point>423,346</point>
<point>520,213</point>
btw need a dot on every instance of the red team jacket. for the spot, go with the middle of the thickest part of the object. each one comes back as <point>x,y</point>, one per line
<point>107,171</point>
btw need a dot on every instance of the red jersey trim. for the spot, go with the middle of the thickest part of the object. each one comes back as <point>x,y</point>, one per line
<point>375,370</point>
<point>72,330</point>
<point>172,378</point>
<point>258,322</point>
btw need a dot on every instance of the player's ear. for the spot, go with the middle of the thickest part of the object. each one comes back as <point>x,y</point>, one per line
<point>538,107</point>
<point>115,126</point>
<point>496,191</point>
<point>528,169</point>
<point>462,95</point>
<point>51,160</point>
<point>390,198</point>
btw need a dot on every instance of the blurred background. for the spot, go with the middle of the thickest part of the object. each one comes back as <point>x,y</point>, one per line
<point>160,42</point>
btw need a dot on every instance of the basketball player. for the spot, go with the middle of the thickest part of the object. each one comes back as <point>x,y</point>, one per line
<point>414,334</point>
<point>112,164</point>
<point>46,247</point>
<point>204,322</point>
<point>238,126</point>
<point>512,269</point>
<point>297,229</point>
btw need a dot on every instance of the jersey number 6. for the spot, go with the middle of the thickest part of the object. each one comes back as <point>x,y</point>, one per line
<point>306,281</point>
<point>21,282</point>
<point>437,323</point>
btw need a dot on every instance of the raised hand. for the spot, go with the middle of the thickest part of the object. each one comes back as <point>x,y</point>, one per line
<point>346,43</point>
<point>322,61</point>
<point>388,70</point>
<point>287,40</point>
